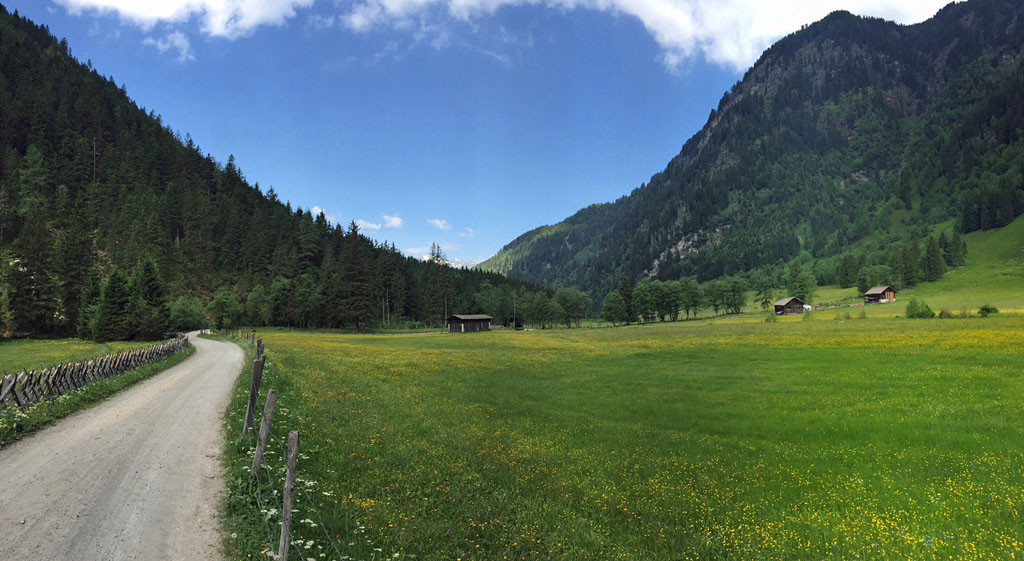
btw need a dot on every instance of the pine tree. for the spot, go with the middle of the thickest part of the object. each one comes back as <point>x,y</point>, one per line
<point>110,323</point>
<point>33,298</point>
<point>356,297</point>
<point>764,293</point>
<point>848,268</point>
<point>223,309</point>
<point>863,282</point>
<point>934,263</point>
<point>89,302</point>
<point>148,308</point>
<point>628,306</point>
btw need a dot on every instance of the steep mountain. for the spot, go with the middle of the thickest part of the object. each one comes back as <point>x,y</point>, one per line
<point>90,184</point>
<point>847,139</point>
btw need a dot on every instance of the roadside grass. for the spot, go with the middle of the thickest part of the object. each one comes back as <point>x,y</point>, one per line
<point>16,423</point>
<point>251,511</point>
<point>874,439</point>
<point>20,354</point>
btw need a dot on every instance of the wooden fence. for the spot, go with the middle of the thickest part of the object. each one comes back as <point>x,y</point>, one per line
<point>33,386</point>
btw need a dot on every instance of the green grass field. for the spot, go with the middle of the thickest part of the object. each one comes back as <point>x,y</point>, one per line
<point>20,354</point>
<point>862,439</point>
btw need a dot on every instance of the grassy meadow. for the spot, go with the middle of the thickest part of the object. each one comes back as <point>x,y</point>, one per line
<point>16,423</point>
<point>20,354</point>
<point>857,439</point>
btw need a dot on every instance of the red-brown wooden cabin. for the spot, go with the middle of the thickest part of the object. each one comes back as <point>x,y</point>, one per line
<point>791,305</point>
<point>879,294</point>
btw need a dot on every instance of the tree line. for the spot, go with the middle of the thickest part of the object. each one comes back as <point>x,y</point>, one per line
<point>113,225</point>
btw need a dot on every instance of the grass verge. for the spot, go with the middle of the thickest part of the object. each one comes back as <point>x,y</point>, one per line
<point>15,423</point>
<point>251,512</point>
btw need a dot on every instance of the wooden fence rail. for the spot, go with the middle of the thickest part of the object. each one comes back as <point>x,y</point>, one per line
<point>32,386</point>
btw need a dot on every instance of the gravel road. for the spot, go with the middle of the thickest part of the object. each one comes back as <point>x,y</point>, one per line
<point>135,477</point>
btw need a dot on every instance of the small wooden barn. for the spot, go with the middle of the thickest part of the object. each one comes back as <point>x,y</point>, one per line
<point>879,294</point>
<point>462,323</point>
<point>791,305</point>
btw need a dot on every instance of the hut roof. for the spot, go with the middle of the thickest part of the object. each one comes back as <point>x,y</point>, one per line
<point>785,301</point>
<point>470,316</point>
<point>879,290</point>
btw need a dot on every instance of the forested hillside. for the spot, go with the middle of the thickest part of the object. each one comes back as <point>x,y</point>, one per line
<point>841,149</point>
<point>113,226</point>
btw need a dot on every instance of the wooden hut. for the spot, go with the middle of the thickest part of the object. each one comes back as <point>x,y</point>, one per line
<point>462,323</point>
<point>879,294</point>
<point>791,305</point>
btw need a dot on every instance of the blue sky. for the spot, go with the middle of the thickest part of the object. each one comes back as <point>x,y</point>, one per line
<point>462,122</point>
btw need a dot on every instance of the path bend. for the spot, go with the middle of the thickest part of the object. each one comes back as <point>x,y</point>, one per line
<point>137,476</point>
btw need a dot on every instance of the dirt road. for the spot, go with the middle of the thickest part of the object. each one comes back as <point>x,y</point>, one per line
<point>135,477</point>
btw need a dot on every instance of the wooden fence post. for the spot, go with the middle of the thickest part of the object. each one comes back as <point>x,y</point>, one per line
<point>289,495</point>
<point>254,390</point>
<point>261,443</point>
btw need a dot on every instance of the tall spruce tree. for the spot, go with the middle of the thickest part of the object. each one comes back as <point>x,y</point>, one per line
<point>148,308</point>
<point>356,295</point>
<point>934,262</point>
<point>110,322</point>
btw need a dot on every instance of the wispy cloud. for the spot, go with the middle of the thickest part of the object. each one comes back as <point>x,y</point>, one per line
<point>440,223</point>
<point>366,225</point>
<point>392,220</point>
<point>176,41</point>
<point>467,233</point>
<point>732,33</point>
<point>319,22</point>
<point>219,18</point>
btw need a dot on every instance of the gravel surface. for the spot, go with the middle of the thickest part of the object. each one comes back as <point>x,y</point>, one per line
<point>137,476</point>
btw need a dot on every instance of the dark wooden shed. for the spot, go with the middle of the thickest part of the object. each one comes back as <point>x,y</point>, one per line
<point>461,323</point>
<point>879,294</point>
<point>791,305</point>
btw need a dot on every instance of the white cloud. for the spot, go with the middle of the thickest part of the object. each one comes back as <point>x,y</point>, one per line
<point>220,18</point>
<point>467,233</point>
<point>319,23</point>
<point>392,220</point>
<point>316,210</point>
<point>731,33</point>
<point>177,41</point>
<point>364,225</point>
<point>440,223</point>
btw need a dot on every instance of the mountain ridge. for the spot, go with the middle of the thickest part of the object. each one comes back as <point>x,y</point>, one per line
<point>847,111</point>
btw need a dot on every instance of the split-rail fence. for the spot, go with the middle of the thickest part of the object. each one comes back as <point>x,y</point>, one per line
<point>32,386</point>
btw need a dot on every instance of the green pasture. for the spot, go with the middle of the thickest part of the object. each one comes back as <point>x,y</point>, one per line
<point>860,439</point>
<point>19,354</point>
